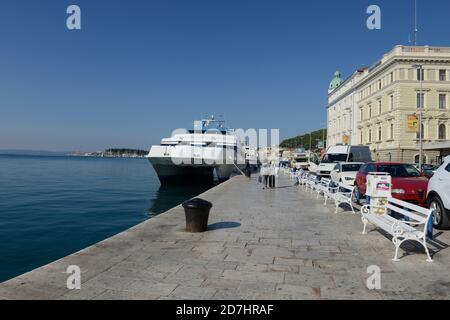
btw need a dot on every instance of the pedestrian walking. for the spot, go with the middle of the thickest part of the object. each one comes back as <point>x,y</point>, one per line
<point>264,173</point>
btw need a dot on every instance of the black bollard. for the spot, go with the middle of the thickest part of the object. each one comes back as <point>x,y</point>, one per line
<point>197,214</point>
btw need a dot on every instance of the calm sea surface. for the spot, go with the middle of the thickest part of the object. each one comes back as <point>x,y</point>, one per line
<point>53,206</point>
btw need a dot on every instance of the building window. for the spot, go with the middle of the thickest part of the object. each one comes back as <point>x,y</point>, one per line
<point>442,132</point>
<point>360,114</point>
<point>420,100</point>
<point>391,134</point>
<point>361,138</point>
<point>420,74</point>
<point>442,101</point>
<point>370,111</point>
<point>423,133</point>
<point>379,84</point>
<point>391,102</point>
<point>370,136</point>
<point>392,77</point>
<point>417,159</point>
<point>379,106</point>
<point>379,133</point>
<point>442,75</point>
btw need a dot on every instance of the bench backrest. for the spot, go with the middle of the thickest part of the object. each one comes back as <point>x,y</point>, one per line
<point>325,182</point>
<point>346,188</point>
<point>409,210</point>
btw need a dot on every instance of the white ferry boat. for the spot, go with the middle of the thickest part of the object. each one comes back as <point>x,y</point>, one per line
<point>195,156</point>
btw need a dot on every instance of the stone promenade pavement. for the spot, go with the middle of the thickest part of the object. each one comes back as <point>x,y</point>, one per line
<point>262,244</point>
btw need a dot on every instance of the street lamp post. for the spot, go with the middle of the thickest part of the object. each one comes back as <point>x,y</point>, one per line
<point>323,137</point>
<point>350,131</point>
<point>421,106</point>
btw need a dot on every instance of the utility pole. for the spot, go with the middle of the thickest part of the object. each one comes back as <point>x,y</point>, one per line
<point>323,137</point>
<point>419,67</point>
<point>422,102</point>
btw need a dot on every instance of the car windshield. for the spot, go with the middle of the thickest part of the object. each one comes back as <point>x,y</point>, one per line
<point>351,167</point>
<point>332,158</point>
<point>399,170</point>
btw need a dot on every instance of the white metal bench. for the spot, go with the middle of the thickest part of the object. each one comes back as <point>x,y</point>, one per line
<point>330,193</point>
<point>413,228</point>
<point>312,182</point>
<point>344,195</point>
<point>323,186</point>
<point>306,180</point>
<point>298,176</point>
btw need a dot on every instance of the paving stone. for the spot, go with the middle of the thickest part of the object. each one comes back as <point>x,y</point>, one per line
<point>254,276</point>
<point>125,295</point>
<point>193,293</point>
<point>298,292</point>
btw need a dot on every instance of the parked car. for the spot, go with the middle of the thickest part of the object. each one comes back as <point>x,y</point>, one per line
<point>345,172</point>
<point>408,184</point>
<point>439,195</point>
<point>428,170</point>
<point>336,154</point>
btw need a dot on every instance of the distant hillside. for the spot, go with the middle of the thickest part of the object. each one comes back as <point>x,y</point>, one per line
<point>113,153</point>
<point>297,141</point>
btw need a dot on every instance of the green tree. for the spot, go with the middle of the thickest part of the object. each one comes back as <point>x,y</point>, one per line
<point>302,141</point>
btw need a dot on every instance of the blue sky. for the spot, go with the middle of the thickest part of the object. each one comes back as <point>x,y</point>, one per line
<point>140,68</point>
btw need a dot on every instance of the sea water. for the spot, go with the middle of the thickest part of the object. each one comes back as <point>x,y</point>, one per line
<point>51,207</point>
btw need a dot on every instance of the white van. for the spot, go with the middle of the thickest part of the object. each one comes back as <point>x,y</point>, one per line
<point>337,154</point>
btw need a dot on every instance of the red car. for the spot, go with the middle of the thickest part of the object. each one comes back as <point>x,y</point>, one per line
<point>408,184</point>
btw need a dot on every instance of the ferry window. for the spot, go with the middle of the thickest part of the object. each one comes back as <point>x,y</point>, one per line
<point>447,168</point>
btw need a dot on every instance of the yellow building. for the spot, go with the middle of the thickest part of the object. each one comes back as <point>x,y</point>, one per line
<point>386,103</point>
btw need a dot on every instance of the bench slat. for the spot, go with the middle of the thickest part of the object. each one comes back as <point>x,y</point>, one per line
<point>410,206</point>
<point>417,217</point>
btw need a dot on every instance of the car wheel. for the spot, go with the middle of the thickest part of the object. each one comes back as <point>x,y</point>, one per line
<point>357,196</point>
<point>440,218</point>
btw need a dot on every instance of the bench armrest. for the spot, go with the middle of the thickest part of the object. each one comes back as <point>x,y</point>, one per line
<point>365,209</point>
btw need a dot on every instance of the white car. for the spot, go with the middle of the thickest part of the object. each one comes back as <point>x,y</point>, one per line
<point>345,172</point>
<point>439,195</point>
<point>341,153</point>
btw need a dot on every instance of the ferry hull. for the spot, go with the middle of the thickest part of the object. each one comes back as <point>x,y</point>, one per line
<point>188,175</point>
<point>170,173</point>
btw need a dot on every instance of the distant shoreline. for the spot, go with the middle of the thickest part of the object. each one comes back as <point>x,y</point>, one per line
<point>109,153</point>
